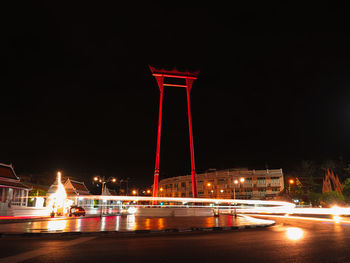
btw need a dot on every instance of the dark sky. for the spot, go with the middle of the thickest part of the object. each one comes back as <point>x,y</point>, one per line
<point>77,94</point>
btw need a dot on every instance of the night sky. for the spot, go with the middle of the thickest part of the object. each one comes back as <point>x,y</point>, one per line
<point>77,94</point>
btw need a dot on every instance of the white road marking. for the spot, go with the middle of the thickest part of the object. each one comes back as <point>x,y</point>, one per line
<point>43,251</point>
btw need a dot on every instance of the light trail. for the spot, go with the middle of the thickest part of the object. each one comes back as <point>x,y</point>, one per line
<point>221,205</point>
<point>280,206</point>
<point>335,219</point>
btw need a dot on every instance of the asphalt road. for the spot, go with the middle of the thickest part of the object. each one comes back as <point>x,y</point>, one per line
<point>290,240</point>
<point>124,224</point>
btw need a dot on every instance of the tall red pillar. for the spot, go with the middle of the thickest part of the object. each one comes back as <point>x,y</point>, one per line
<point>189,78</point>
<point>160,81</point>
<point>189,83</point>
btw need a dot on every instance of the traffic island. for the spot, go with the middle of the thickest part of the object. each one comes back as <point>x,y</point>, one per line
<point>123,226</point>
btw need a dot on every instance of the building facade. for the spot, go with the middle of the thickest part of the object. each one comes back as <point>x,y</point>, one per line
<point>227,184</point>
<point>76,191</point>
<point>12,192</point>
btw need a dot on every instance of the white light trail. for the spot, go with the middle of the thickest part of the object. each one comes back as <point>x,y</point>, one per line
<point>223,205</point>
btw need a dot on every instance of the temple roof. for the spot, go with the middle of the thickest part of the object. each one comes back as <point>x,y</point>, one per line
<point>6,171</point>
<point>13,185</point>
<point>76,187</point>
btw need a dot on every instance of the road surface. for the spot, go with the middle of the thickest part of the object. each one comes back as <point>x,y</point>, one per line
<point>123,224</point>
<point>290,240</point>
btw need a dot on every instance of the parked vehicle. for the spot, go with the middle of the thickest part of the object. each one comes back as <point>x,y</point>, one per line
<point>76,211</point>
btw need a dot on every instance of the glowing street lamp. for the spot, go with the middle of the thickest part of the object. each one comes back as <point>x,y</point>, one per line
<point>291,181</point>
<point>103,182</point>
<point>235,183</point>
<point>134,192</point>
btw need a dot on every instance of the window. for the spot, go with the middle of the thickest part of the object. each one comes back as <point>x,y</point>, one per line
<point>262,191</point>
<point>221,181</point>
<point>275,180</point>
<point>183,195</point>
<point>16,199</point>
<point>183,184</point>
<point>249,191</point>
<point>261,180</point>
<point>1,195</point>
<point>201,193</point>
<point>176,185</point>
<point>248,180</point>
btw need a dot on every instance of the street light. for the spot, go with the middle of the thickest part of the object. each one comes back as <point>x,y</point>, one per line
<point>103,182</point>
<point>236,182</point>
<point>291,181</point>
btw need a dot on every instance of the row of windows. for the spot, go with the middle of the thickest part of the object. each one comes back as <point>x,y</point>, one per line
<point>260,180</point>
<point>246,191</point>
<point>226,189</point>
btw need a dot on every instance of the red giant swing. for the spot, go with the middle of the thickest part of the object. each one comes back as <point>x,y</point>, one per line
<point>189,77</point>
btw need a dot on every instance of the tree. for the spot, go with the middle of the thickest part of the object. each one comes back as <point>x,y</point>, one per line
<point>332,198</point>
<point>346,190</point>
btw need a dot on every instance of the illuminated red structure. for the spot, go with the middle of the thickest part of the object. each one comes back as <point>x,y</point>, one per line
<point>160,75</point>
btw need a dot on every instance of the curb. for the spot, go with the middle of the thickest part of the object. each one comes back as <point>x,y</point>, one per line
<point>136,232</point>
<point>48,218</point>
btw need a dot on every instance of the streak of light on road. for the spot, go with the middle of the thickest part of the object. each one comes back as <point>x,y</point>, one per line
<point>131,203</point>
<point>335,219</point>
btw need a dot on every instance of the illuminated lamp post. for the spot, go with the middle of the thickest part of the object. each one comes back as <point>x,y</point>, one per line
<point>291,181</point>
<point>103,181</point>
<point>235,183</point>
